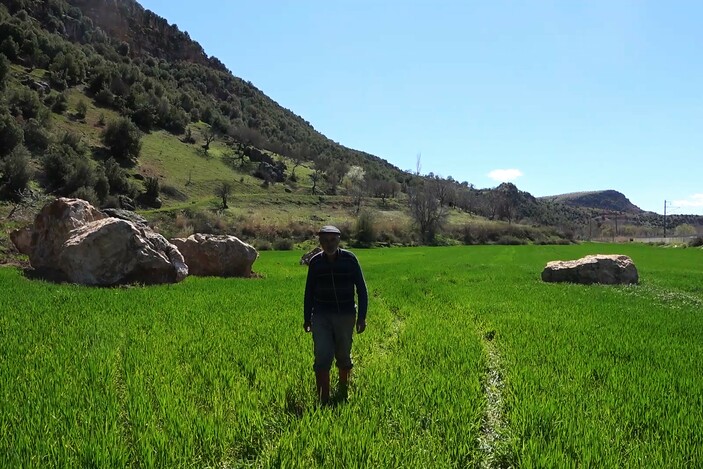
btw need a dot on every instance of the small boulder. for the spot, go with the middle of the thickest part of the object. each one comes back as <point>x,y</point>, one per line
<point>216,255</point>
<point>22,239</point>
<point>305,260</point>
<point>599,268</point>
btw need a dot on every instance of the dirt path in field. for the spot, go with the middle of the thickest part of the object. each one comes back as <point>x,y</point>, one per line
<point>493,425</point>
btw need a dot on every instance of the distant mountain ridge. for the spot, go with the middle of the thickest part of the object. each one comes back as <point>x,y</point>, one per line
<point>611,200</point>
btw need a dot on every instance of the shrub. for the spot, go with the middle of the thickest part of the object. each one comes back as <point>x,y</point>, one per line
<point>102,185</point>
<point>184,231</point>
<point>123,139</point>
<point>9,48</point>
<point>86,193</point>
<point>15,173</point>
<point>74,141</point>
<point>25,102</point>
<point>36,138</point>
<point>66,167</point>
<point>152,189</point>
<point>510,240</point>
<point>696,242</point>
<point>365,228</point>
<point>81,109</point>
<point>262,245</point>
<point>346,229</point>
<point>206,221</point>
<point>11,134</point>
<point>182,220</point>
<point>443,240</point>
<point>283,244</point>
<point>104,97</point>
<point>4,70</point>
<point>60,104</point>
<point>116,177</point>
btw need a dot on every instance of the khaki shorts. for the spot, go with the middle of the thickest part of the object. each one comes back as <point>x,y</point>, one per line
<point>332,336</point>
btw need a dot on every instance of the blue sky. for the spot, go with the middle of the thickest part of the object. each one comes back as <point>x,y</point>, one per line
<point>555,96</point>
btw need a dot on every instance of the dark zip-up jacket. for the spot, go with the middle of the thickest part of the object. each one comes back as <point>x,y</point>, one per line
<point>330,286</point>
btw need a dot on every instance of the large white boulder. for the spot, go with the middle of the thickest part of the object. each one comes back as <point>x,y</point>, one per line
<point>216,255</point>
<point>600,268</point>
<point>112,251</point>
<point>71,240</point>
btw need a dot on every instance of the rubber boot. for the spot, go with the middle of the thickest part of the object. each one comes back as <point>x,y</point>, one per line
<point>344,383</point>
<point>322,382</point>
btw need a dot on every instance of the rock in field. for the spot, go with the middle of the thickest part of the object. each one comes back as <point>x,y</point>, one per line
<point>217,255</point>
<point>71,240</point>
<point>305,260</point>
<point>599,268</point>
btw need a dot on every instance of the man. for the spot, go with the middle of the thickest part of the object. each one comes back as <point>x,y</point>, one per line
<point>330,312</point>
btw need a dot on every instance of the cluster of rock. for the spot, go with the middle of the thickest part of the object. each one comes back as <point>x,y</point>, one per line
<point>270,172</point>
<point>70,240</point>
<point>600,268</point>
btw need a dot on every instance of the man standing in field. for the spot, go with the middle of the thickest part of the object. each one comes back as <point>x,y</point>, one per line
<point>330,311</point>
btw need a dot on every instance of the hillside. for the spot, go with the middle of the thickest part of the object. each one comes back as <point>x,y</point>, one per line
<point>107,101</point>
<point>603,200</point>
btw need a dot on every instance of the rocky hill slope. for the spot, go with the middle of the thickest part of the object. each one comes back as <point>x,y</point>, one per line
<point>610,200</point>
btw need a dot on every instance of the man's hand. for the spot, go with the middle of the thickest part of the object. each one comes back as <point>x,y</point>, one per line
<point>360,326</point>
<point>307,325</point>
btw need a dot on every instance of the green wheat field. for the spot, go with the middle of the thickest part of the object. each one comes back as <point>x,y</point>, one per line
<point>469,360</point>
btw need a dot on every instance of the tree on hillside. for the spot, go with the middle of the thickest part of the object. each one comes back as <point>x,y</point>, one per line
<point>68,170</point>
<point>123,139</point>
<point>334,171</point>
<point>9,48</point>
<point>426,211</point>
<point>4,70</point>
<point>26,103</point>
<point>117,177</point>
<point>315,178</point>
<point>442,188</point>
<point>299,156</point>
<point>354,184</point>
<point>507,200</point>
<point>15,173</point>
<point>11,134</point>
<point>247,136</point>
<point>685,230</point>
<point>36,137</point>
<point>209,135</point>
<point>383,188</point>
<point>223,191</point>
<point>81,109</point>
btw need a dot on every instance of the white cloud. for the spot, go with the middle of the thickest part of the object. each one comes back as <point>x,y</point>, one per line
<point>695,200</point>
<point>504,175</point>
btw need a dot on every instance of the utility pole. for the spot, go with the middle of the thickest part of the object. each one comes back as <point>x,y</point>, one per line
<point>665,205</point>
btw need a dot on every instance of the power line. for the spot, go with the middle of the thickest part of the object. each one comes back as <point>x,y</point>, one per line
<point>667,204</point>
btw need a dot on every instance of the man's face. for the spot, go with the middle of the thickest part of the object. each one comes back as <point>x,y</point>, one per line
<point>329,242</point>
